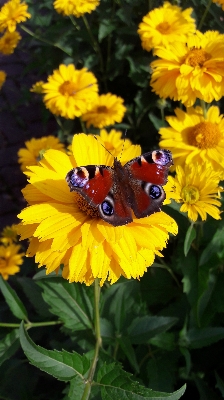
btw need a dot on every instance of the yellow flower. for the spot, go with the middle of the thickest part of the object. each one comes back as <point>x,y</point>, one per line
<point>9,235</point>
<point>64,229</point>
<point>106,110</point>
<point>35,148</point>
<point>221,2</point>
<point>193,70</point>
<point>197,187</point>
<point>70,92</point>
<point>75,7</point>
<point>165,25</point>
<point>10,259</point>
<point>191,138</point>
<point>37,87</point>
<point>13,12</point>
<point>9,41</point>
<point>2,78</point>
<point>113,141</point>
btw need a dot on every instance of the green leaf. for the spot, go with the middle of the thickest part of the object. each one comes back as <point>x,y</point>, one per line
<point>69,301</point>
<point>189,238</point>
<point>15,304</point>
<point>60,364</point>
<point>165,340</point>
<point>144,328</point>
<point>9,345</point>
<point>197,338</point>
<point>157,122</point>
<point>128,350</point>
<point>34,294</point>
<point>77,387</point>
<point>117,384</point>
<point>219,384</point>
<point>215,246</point>
<point>105,28</point>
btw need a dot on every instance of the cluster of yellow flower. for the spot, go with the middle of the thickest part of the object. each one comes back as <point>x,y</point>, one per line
<point>189,65</point>
<point>11,256</point>
<point>11,13</point>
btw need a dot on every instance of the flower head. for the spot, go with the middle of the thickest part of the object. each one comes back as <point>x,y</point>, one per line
<point>35,148</point>
<point>10,259</point>
<point>113,141</point>
<point>9,41</point>
<point>193,70</point>
<point>64,229</point>
<point>9,235</point>
<point>70,92</point>
<point>107,109</point>
<point>197,188</point>
<point>75,7</point>
<point>220,2</point>
<point>191,138</point>
<point>37,87</point>
<point>2,78</point>
<point>158,30</point>
<point>13,12</point>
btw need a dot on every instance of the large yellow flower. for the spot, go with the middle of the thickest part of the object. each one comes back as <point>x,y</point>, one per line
<point>107,109</point>
<point>197,188</point>
<point>70,92</point>
<point>2,78</point>
<point>193,70</point>
<point>9,41</point>
<point>65,230</point>
<point>221,2</point>
<point>191,138</point>
<point>165,25</point>
<point>75,7</point>
<point>35,148</point>
<point>10,259</point>
<point>13,12</point>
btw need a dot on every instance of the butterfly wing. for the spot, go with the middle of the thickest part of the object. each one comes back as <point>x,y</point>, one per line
<point>147,174</point>
<point>91,182</point>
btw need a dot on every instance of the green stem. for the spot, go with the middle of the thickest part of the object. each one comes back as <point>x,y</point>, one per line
<point>96,48</point>
<point>203,106</point>
<point>87,390</point>
<point>29,324</point>
<point>43,40</point>
<point>83,125</point>
<point>204,15</point>
<point>73,21</point>
<point>164,266</point>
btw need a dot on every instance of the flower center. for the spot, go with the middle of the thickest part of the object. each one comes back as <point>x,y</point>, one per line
<point>190,194</point>
<point>68,88</point>
<point>86,207</point>
<point>197,58</point>
<point>204,135</point>
<point>163,27</point>
<point>102,109</point>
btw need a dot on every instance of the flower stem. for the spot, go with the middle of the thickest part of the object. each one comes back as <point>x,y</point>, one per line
<point>87,391</point>
<point>25,29</point>
<point>204,15</point>
<point>73,21</point>
<point>29,325</point>
<point>203,109</point>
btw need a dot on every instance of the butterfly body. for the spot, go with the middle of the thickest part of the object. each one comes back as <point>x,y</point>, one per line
<point>118,190</point>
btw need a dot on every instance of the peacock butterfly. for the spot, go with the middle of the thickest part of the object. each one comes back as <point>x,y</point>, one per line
<point>118,190</point>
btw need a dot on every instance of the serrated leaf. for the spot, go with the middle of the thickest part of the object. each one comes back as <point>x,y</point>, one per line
<point>117,384</point>
<point>189,238</point>
<point>60,364</point>
<point>105,28</point>
<point>77,387</point>
<point>215,246</point>
<point>144,328</point>
<point>157,122</point>
<point>69,301</point>
<point>34,295</point>
<point>15,304</point>
<point>197,338</point>
<point>9,345</point>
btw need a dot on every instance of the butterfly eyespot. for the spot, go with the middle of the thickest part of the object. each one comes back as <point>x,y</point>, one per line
<point>107,208</point>
<point>155,192</point>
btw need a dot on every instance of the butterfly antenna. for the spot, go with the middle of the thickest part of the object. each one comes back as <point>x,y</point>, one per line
<point>125,134</point>
<point>95,137</point>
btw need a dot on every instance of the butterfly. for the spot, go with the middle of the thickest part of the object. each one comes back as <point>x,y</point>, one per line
<point>119,189</point>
